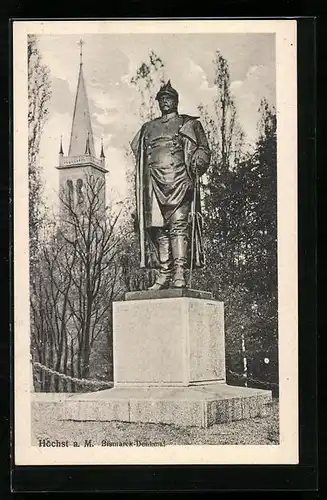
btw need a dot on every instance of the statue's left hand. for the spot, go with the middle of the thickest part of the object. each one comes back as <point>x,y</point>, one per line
<point>199,162</point>
<point>135,221</point>
<point>194,163</point>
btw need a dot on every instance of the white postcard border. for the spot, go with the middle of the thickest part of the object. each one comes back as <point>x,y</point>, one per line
<point>287,451</point>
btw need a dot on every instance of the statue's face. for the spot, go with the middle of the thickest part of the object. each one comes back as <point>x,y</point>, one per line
<point>167,104</point>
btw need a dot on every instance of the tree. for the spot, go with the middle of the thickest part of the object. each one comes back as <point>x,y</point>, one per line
<point>222,198</point>
<point>52,338</point>
<point>261,204</point>
<point>39,94</point>
<point>90,231</point>
<point>256,250</point>
<point>224,131</point>
<point>239,197</point>
<point>79,278</point>
<point>147,78</point>
<point>261,275</point>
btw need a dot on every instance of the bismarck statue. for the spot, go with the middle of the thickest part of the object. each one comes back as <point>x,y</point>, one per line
<point>171,154</point>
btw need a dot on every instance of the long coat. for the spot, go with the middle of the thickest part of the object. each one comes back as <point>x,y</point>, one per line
<point>197,159</point>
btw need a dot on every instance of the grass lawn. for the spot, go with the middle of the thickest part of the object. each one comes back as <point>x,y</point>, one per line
<point>255,431</point>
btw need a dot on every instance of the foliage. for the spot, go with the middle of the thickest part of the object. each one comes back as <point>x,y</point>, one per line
<point>146,80</point>
<point>39,94</point>
<point>240,213</point>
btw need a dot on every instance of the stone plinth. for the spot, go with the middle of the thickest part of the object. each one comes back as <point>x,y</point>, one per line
<point>168,338</point>
<point>198,406</point>
<point>169,367</point>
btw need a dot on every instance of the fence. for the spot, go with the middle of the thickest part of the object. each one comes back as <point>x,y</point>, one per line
<point>98,384</point>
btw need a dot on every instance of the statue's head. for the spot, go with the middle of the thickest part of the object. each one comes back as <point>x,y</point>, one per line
<point>167,98</point>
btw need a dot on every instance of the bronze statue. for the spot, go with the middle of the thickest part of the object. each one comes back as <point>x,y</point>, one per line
<point>171,154</point>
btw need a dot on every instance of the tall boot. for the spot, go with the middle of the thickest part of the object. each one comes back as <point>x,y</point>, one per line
<point>179,250</point>
<point>165,262</point>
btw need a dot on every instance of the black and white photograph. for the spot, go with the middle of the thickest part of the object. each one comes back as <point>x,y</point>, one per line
<point>155,242</point>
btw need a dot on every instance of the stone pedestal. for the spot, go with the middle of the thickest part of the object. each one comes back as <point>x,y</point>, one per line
<point>169,366</point>
<point>172,341</point>
<point>198,406</point>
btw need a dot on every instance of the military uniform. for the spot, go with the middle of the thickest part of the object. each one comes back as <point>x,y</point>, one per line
<point>168,150</point>
<point>168,179</point>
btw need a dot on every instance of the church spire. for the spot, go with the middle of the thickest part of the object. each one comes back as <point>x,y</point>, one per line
<point>81,43</point>
<point>81,126</point>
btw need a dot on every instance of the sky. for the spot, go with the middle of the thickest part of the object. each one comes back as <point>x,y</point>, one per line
<point>109,62</point>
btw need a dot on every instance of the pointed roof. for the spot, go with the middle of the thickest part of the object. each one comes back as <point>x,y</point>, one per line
<point>87,145</point>
<point>81,126</point>
<point>61,151</point>
<point>102,155</point>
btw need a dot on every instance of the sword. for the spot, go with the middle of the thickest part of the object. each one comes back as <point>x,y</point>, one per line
<point>193,213</point>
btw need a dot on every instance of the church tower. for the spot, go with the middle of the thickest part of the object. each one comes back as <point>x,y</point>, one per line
<point>80,166</point>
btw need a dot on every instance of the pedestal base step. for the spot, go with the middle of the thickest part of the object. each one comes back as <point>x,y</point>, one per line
<point>168,294</point>
<point>199,406</point>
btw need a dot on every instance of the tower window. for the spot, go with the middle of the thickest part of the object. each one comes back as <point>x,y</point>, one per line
<point>79,189</point>
<point>70,191</point>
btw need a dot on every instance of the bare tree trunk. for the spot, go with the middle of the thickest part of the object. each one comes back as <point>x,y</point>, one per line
<point>86,344</point>
<point>72,367</point>
<point>65,364</point>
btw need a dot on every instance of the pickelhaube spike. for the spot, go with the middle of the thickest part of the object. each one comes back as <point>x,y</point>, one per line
<point>167,89</point>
